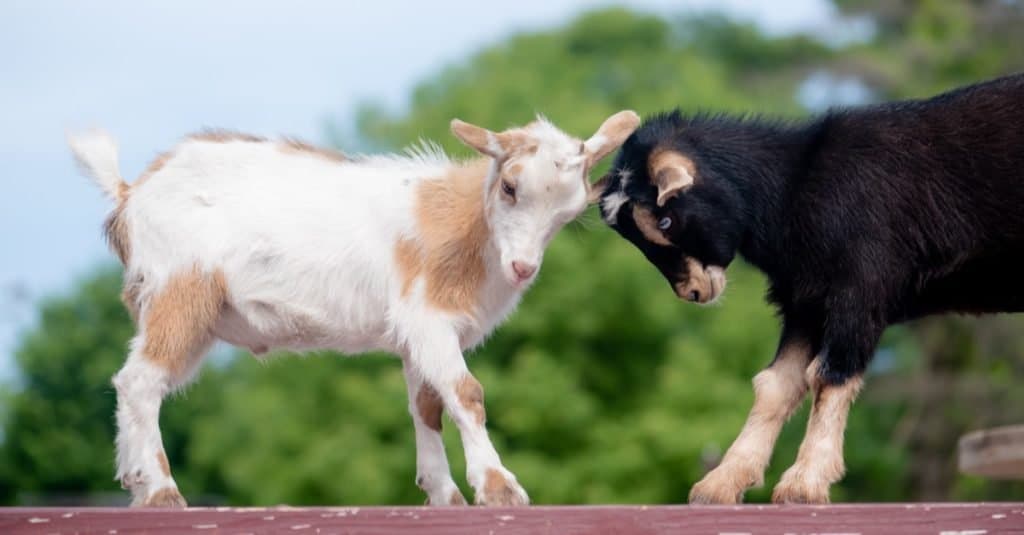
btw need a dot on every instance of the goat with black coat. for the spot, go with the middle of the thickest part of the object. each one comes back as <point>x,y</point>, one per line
<point>860,218</point>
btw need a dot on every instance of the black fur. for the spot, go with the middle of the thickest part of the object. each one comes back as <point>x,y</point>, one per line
<point>860,218</point>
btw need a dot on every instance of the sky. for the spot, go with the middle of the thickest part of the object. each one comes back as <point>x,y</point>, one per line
<point>150,72</point>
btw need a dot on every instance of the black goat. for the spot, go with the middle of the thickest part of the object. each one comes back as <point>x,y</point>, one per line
<point>860,218</point>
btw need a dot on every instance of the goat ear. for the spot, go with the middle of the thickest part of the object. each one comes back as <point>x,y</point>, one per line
<point>671,172</point>
<point>610,136</point>
<point>494,144</point>
<point>596,189</point>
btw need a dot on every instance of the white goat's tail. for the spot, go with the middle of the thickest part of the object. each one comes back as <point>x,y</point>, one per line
<point>96,154</point>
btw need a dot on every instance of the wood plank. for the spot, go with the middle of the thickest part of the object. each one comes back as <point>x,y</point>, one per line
<point>963,518</point>
<point>997,453</point>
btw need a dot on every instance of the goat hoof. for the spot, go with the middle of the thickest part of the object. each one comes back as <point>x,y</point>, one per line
<point>501,490</point>
<point>799,493</point>
<point>720,487</point>
<point>455,498</point>
<point>167,497</point>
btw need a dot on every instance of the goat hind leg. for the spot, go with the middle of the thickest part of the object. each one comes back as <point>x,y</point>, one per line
<point>175,330</point>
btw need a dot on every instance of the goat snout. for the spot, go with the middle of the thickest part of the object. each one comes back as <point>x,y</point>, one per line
<point>523,270</point>
<point>703,285</point>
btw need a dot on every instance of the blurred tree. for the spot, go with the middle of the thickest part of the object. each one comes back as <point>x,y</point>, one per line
<point>601,388</point>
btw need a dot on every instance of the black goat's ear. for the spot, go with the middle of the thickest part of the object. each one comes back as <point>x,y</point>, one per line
<point>671,172</point>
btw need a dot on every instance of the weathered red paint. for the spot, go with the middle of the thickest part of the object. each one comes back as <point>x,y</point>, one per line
<point>988,518</point>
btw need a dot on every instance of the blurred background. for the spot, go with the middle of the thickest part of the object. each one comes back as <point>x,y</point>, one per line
<point>603,388</point>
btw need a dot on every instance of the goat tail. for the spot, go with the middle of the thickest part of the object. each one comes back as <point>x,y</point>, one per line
<point>96,154</point>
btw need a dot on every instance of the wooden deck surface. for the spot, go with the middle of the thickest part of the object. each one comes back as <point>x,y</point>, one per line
<point>948,519</point>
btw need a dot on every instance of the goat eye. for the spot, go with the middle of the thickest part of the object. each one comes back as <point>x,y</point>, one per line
<point>508,189</point>
<point>664,223</point>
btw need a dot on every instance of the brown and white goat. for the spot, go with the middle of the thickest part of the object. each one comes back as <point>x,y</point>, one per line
<point>268,244</point>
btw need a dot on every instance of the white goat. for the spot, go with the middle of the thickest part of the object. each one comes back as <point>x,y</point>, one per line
<point>277,244</point>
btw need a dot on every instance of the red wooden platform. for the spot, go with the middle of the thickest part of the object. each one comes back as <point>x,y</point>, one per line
<point>953,518</point>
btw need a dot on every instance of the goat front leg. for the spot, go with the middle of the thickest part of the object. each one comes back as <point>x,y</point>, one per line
<point>835,378</point>
<point>438,360</point>
<point>778,391</point>
<point>433,474</point>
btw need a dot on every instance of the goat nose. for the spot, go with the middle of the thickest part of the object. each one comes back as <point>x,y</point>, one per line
<point>523,270</point>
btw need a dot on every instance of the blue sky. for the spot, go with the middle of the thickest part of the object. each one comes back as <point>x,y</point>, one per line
<point>150,72</point>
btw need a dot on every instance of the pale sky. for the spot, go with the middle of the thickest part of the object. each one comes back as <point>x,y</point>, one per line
<point>150,72</point>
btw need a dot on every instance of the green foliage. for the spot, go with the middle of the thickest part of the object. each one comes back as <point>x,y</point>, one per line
<point>603,387</point>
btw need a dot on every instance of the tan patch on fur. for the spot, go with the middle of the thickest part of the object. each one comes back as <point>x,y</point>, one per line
<point>167,497</point>
<point>648,226</point>
<point>820,460</point>
<point>430,406</point>
<point>130,296</point>
<point>471,395</point>
<point>456,498</point>
<point>778,391</point>
<point>179,319</point>
<point>165,467</point>
<point>289,145</point>
<point>671,172</point>
<point>453,231</point>
<point>497,491</point>
<point>115,228</point>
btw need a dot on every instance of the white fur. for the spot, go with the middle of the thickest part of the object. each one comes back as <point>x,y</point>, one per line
<point>306,247</point>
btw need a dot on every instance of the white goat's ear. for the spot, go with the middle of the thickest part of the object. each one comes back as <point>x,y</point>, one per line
<point>497,145</point>
<point>610,136</point>
<point>671,172</point>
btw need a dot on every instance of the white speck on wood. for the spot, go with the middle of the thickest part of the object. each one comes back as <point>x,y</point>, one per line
<point>998,517</point>
<point>300,526</point>
<point>67,515</point>
<point>204,526</point>
<point>965,532</point>
<point>271,517</point>
<point>506,518</point>
<point>38,520</point>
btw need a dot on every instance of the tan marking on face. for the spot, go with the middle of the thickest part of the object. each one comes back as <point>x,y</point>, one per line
<point>165,467</point>
<point>671,172</point>
<point>292,146</point>
<point>471,396</point>
<point>448,251</point>
<point>224,136</point>
<point>648,226</point>
<point>819,462</point>
<point>429,405</point>
<point>708,282</point>
<point>778,391</point>
<point>167,497</point>
<point>179,319</point>
<point>497,491</point>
